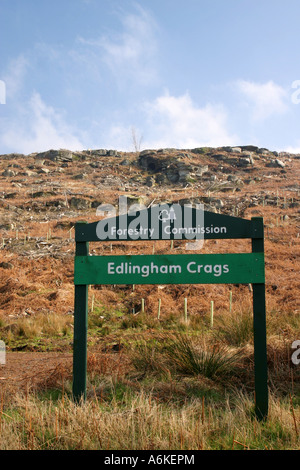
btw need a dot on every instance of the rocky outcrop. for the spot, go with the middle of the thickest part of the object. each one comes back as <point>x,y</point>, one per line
<point>169,167</point>
<point>56,155</point>
<point>102,153</point>
<point>276,163</point>
<point>8,173</point>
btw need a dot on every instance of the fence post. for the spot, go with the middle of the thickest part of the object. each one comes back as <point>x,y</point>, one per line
<point>80,332</point>
<point>259,331</point>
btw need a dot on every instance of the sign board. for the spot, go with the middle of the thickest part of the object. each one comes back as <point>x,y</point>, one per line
<point>234,268</point>
<point>167,222</point>
<point>174,222</point>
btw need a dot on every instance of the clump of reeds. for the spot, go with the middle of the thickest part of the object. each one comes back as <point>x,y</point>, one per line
<point>186,355</point>
<point>236,329</point>
<point>192,358</point>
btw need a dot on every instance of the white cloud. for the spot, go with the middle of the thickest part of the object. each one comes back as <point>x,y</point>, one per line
<point>178,122</point>
<point>292,149</point>
<point>130,53</point>
<point>36,128</point>
<point>264,99</point>
<point>15,74</point>
<point>30,125</point>
<point>118,136</point>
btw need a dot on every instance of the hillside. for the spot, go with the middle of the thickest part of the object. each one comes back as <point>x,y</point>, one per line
<point>42,196</point>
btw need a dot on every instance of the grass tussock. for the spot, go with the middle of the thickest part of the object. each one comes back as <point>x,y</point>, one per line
<point>236,329</point>
<point>192,358</point>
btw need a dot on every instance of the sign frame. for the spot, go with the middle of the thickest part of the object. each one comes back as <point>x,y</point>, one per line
<point>86,272</point>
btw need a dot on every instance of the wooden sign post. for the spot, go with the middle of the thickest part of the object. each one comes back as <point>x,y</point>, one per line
<point>233,268</point>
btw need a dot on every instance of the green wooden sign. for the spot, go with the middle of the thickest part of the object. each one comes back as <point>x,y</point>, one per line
<point>161,223</point>
<point>245,268</point>
<point>167,222</point>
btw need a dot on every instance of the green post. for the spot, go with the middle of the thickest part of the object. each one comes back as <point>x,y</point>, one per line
<point>80,332</point>
<point>259,330</point>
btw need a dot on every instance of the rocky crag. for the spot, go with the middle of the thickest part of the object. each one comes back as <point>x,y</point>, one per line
<point>61,183</point>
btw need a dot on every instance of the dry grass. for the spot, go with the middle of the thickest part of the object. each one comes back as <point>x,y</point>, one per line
<point>143,423</point>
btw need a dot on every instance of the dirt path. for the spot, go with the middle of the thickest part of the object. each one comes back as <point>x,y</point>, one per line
<point>30,370</point>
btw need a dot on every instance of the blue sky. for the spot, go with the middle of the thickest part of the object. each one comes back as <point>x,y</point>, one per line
<point>83,74</point>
